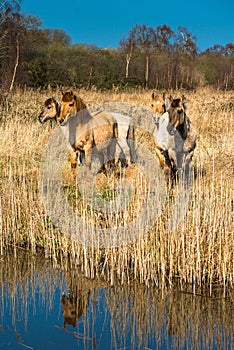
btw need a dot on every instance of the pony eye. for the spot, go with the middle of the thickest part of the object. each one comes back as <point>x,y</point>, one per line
<point>71,104</point>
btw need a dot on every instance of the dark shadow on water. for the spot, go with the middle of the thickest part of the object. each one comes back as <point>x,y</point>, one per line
<point>52,307</point>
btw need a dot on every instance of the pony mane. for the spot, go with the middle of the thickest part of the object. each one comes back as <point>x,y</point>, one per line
<point>184,128</point>
<point>69,96</point>
<point>80,104</point>
<point>57,104</point>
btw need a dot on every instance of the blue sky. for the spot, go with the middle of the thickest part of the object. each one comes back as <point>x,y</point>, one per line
<point>104,23</point>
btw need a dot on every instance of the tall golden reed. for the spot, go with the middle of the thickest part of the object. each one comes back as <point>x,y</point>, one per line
<point>198,253</point>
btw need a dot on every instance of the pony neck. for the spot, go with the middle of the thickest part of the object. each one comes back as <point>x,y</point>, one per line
<point>57,105</point>
<point>183,128</point>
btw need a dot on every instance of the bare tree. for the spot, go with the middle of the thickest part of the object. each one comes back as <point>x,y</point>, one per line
<point>127,46</point>
<point>9,16</point>
<point>163,36</point>
<point>186,42</point>
<point>144,38</point>
<point>229,49</point>
<point>13,27</point>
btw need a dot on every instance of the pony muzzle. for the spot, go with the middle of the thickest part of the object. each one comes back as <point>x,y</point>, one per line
<point>171,129</point>
<point>156,118</point>
<point>40,119</point>
<point>62,122</point>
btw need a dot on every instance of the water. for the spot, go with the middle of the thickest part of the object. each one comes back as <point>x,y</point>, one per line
<point>95,315</point>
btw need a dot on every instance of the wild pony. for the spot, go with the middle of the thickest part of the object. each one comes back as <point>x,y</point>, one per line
<point>174,132</point>
<point>159,104</point>
<point>85,133</point>
<point>181,129</point>
<point>51,112</point>
<point>71,104</point>
<point>52,107</point>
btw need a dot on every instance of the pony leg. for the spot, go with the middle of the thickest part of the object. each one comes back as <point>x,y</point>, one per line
<point>73,160</point>
<point>111,152</point>
<point>88,151</point>
<point>101,158</point>
<point>131,143</point>
<point>122,152</point>
<point>80,158</point>
<point>160,157</point>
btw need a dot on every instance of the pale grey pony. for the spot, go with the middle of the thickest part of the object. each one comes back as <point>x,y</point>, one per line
<point>175,135</point>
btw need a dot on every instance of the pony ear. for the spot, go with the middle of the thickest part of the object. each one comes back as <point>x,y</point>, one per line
<point>153,95</point>
<point>70,92</point>
<point>185,102</point>
<point>167,103</point>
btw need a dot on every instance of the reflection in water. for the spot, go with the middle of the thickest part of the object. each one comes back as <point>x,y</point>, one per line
<point>45,307</point>
<point>74,306</point>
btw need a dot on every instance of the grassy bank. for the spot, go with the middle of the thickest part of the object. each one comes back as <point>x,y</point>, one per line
<point>199,252</point>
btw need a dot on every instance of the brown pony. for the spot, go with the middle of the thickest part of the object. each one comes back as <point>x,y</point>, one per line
<point>52,109</point>
<point>158,104</point>
<point>85,133</point>
<point>51,112</point>
<point>71,104</point>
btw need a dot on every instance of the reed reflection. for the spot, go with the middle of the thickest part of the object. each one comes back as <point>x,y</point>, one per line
<point>134,315</point>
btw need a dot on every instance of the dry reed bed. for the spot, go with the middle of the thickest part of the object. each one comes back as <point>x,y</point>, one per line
<point>199,252</point>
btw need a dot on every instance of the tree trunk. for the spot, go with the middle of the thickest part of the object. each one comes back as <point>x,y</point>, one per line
<point>147,71</point>
<point>127,67</point>
<point>128,59</point>
<point>16,63</point>
<point>90,78</point>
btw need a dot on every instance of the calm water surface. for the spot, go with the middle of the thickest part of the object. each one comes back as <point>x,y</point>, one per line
<point>47,307</point>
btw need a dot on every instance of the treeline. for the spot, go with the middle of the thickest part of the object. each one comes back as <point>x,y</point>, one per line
<point>147,57</point>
